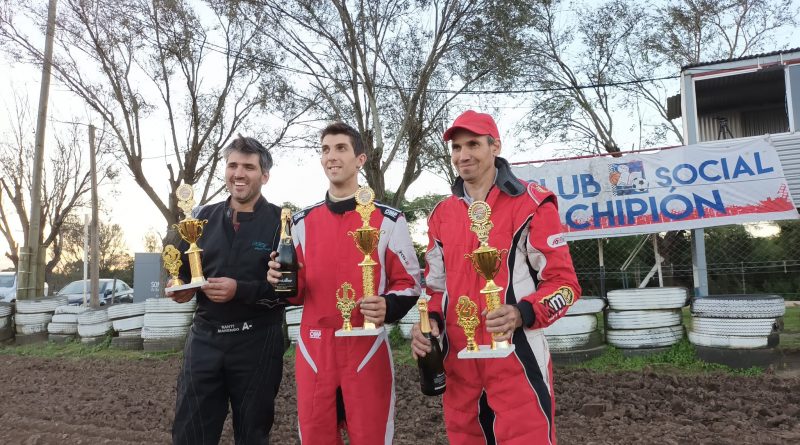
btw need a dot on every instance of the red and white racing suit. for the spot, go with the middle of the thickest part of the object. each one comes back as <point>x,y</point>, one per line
<point>360,369</point>
<point>505,400</point>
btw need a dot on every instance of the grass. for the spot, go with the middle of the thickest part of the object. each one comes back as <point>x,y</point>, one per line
<point>680,357</point>
<point>77,350</point>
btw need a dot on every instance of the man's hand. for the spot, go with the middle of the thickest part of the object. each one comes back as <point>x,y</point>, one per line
<point>274,272</point>
<point>220,290</point>
<point>374,309</point>
<point>421,346</point>
<point>503,320</point>
<point>181,296</point>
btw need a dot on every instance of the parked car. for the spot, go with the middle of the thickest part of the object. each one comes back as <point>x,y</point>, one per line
<point>8,286</point>
<point>109,293</point>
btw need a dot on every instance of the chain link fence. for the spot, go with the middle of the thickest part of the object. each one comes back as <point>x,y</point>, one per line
<point>752,259</point>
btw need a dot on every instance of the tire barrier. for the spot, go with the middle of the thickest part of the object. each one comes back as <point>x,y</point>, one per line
<point>127,320</point>
<point>293,316</point>
<point>574,338</point>
<point>645,320</point>
<point>737,330</point>
<point>6,327</point>
<point>166,324</point>
<point>128,324</point>
<point>63,326</point>
<point>645,338</point>
<point>33,316</point>
<point>93,323</point>
<point>739,306</point>
<point>125,310</point>
<point>647,298</point>
<point>408,321</point>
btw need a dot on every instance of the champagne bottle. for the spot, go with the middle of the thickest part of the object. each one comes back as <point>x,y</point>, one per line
<point>431,367</point>
<point>287,257</point>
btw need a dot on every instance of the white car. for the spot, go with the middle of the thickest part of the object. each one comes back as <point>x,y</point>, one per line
<point>109,293</point>
<point>8,286</point>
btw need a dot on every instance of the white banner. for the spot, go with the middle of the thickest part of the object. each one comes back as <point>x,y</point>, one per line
<point>685,187</point>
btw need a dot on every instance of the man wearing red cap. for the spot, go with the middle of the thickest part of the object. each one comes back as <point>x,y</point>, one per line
<point>506,400</point>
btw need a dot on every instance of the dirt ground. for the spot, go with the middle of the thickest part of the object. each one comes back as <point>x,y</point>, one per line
<point>93,401</point>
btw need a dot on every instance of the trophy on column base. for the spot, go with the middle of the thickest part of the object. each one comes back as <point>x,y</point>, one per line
<point>366,239</point>
<point>346,302</point>
<point>487,261</point>
<point>190,229</point>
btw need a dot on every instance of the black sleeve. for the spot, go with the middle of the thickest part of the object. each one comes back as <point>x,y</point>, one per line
<point>397,306</point>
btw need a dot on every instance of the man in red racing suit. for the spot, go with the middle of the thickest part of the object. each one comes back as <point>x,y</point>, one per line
<point>506,400</point>
<point>355,373</point>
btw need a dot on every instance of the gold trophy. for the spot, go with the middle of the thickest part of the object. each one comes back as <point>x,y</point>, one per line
<point>366,239</point>
<point>346,302</point>
<point>173,263</point>
<point>487,261</point>
<point>467,312</point>
<point>190,229</point>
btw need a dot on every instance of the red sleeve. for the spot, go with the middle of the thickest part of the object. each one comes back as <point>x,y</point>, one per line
<point>548,255</point>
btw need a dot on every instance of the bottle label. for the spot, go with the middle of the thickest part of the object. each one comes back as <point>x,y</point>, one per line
<point>439,381</point>
<point>287,282</point>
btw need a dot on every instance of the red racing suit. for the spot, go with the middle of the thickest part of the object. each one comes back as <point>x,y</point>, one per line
<point>505,400</point>
<point>359,369</point>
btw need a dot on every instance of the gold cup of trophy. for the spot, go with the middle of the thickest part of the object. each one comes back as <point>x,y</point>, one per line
<point>190,229</point>
<point>487,261</point>
<point>366,238</point>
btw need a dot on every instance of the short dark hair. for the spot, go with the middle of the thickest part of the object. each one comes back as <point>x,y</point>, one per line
<point>342,128</point>
<point>244,144</point>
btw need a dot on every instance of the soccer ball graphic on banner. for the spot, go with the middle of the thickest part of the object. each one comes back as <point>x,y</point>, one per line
<point>640,184</point>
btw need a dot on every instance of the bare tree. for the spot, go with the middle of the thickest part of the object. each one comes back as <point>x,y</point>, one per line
<point>66,182</point>
<point>686,32</point>
<point>392,68</point>
<point>571,62</point>
<point>113,249</point>
<point>202,69</point>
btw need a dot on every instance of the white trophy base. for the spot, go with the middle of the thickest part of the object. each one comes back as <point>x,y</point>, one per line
<point>185,286</point>
<point>486,351</point>
<point>360,332</point>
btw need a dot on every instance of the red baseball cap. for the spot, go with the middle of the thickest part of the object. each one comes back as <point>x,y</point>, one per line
<point>478,123</point>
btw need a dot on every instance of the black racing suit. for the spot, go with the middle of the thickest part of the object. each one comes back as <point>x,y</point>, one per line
<point>234,352</point>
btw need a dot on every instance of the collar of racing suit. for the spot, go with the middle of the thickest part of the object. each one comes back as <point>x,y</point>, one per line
<point>504,180</point>
<point>340,207</point>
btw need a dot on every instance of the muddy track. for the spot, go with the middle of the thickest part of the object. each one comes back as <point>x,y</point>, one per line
<point>90,401</point>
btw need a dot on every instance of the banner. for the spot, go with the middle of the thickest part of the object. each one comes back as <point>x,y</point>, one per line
<point>685,187</point>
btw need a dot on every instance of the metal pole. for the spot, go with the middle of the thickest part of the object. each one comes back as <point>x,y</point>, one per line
<point>31,266</point>
<point>95,263</point>
<point>85,256</point>
<point>602,268</point>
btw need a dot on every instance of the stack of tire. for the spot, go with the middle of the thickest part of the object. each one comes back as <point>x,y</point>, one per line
<point>33,316</point>
<point>293,316</point>
<point>645,320</point>
<point>740,331</point>
<point>574,338</point>
<point>6,325</point>
<point>166,324</point>
<point>63,326</point>
<point>93,326</point>
<point>127,321</point>
<point>408,321</point>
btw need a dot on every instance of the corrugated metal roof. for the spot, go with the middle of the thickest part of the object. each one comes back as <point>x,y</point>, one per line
<point>754,56</point>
